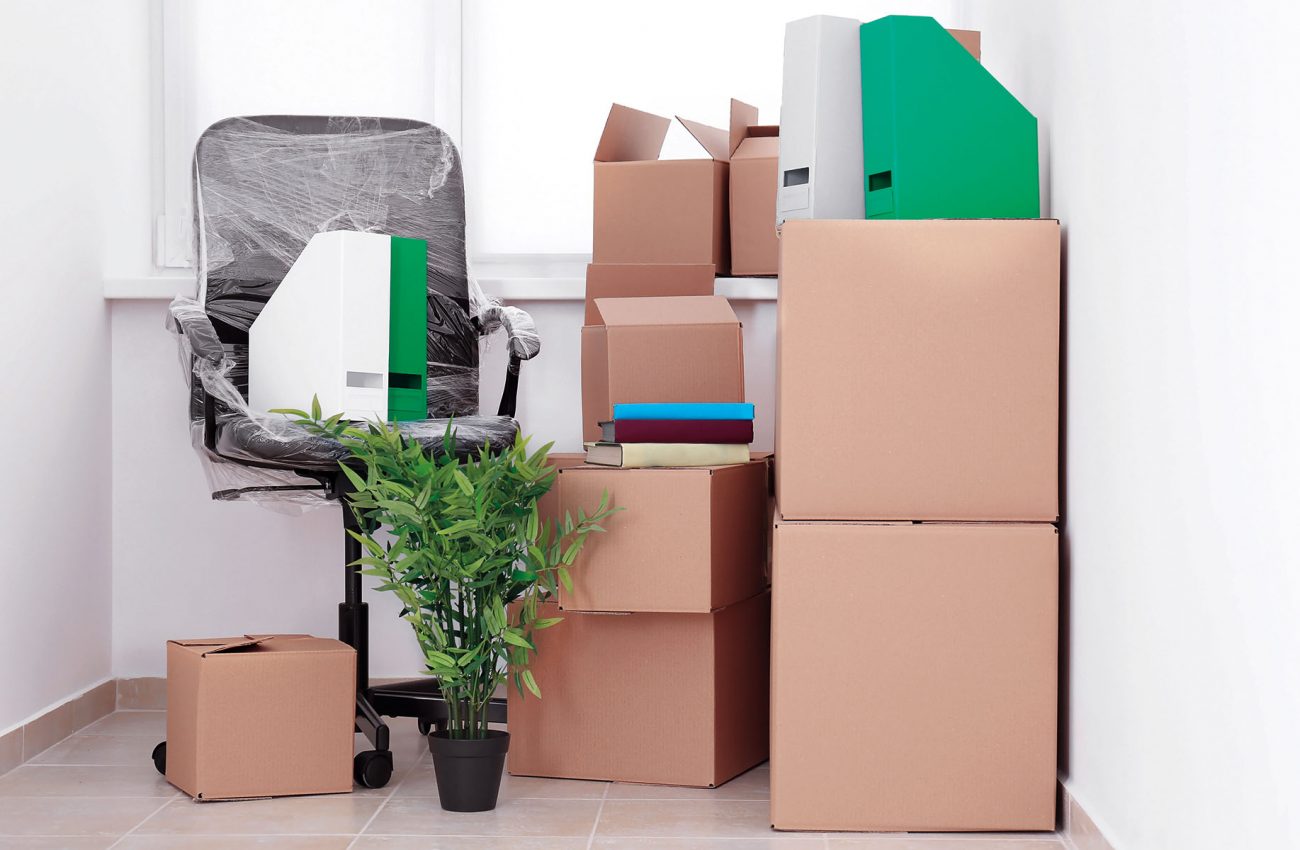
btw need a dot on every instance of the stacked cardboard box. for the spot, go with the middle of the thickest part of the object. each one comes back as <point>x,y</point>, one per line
<point>659,672</point>
<point>915,561</point>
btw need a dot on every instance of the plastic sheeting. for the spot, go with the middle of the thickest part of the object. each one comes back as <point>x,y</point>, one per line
<point>263,187</point>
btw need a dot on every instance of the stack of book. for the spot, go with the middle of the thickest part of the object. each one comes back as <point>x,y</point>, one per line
<point>675,434</point>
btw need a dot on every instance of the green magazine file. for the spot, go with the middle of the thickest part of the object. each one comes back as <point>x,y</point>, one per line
<point>941,137</point>
<point>408,321</point>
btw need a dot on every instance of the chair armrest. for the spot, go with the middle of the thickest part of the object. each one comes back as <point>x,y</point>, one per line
<point>190,319</point>
<point>521,330</point>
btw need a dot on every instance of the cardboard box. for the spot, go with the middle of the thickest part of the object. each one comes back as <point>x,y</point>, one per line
<point>754,152</point>
<point>665,699</point>
<point>935,709</point>
<point>688,540</point>
<point>649,210</point>
<point>260,716</point>
<point>618,280</point>
<point>917,370</point>
<point>659,349</point>
<point>548,507</point>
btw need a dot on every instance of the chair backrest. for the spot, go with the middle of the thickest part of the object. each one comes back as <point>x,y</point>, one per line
<point>263,185</point>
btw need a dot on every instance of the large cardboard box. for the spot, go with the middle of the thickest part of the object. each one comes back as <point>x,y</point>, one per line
<point>659,349</point>
<point>917,370</point>
<point>665,699</point>
<point>649,210</point>
<point>935,707</point>
<point>631,280</point>
<point>548,507</point>
<point>688,540</point>
<point>260,716</point>
<point>754,152</point>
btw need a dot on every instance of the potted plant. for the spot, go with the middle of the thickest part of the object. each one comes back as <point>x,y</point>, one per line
<point>461,544</point>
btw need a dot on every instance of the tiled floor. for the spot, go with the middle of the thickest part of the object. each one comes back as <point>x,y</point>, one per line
<point>98,790</point>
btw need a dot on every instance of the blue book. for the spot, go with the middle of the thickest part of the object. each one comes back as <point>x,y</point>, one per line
<point>742,410</point>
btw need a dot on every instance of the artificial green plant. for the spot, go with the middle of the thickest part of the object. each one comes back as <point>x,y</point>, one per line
<point>460,542</point>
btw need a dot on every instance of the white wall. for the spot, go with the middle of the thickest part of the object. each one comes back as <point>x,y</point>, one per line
<point>1172,166</point>
<point>55,627</point>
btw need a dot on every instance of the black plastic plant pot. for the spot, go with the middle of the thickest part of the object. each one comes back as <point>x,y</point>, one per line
<point>469,771</point>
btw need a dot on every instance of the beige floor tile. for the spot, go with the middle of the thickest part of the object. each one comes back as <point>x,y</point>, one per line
<point>61,843</point>
<point>149,692</point>
<point>685,819</point>
<point>340,814</point>
<point>550,818</point>
<point>809,841</point>
<point>100,749</point>
<point>95,703</point>
<point>150,724</point>
<point>420,782</point>
<point>461,842</point>
<point>47,730</point>
<point>934,841</point>
<point>748,786</point>
<point>42,780</point>
<point>235,842</point>
<point>72,816</point>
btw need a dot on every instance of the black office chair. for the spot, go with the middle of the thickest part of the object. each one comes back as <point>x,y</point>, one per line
<point>262,187</point>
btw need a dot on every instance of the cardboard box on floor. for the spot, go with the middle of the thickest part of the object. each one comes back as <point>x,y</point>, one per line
<point>631,280</point>
<point>689,539</point>
<point>649,210</point>
<point>548,507</point>
<point>938,710</point>
<point>260,716</point>
<point>659,350</point>
<point>917,370</point>
<point>752,182</point>
<point>665,699</point>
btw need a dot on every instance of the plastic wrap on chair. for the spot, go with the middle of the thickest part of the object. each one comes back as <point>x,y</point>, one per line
<point>263,186</point>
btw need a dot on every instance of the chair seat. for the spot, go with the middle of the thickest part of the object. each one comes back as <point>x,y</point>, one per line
<point>288,445</point>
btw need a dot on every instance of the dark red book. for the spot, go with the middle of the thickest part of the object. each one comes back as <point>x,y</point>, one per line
<point>678,431</point>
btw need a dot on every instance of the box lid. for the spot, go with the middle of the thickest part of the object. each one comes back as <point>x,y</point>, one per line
<point>203,647</point>
<point>668,310</point>
<point>631,135</point>
<point>744,125</point>
<point>712,139</point>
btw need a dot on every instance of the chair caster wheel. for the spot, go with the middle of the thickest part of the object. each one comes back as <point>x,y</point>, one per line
<point>160,758</point>
<point>373,768</point>
<point>425,726</point>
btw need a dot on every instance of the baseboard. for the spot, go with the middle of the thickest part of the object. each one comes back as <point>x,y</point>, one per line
<point>1078,830</point>
<point>49,727</point>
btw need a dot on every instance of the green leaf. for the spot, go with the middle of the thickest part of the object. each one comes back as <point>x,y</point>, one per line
<point>513,636</point>
<point>463,483</point>
<point>531,683</point>
<point>547,622</point>
<point>315,407</point>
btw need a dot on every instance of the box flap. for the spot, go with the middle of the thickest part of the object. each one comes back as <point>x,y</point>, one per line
<point>712,139</point>
<point>631,135</point>
<point>644,280</point>
<point>743,116</point>
<point>757,146</point>
<point>210,646</point>
<point>969,39</point>
<point>669,310</point>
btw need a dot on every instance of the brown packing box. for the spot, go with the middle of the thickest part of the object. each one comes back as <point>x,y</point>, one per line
<point>917,370</point>
<point>969,39</point>
<point>754,149</point>
<point>618,280</point>
<point>649,210</point>
<point>548,507</point>
<point>659,350</point>
<point>665,699</point>
<point>935,709</point>
<point>688,539</point>
<point>260,716</point>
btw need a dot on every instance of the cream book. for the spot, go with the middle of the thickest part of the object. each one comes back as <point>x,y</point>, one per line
<point>642,455</point>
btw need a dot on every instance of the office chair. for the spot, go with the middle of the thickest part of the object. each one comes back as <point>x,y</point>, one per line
<point>263,186</point>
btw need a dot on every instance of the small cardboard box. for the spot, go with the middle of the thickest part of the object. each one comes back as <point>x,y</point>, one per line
<point>939,712</point>
<point>649,210</point>
<point>664,699</point>
<point>753,184</point>
<point>658,350</point>
<point>260,716</point>
<point>688,540</point>
<point>917,371</point>
<point>619,280</point>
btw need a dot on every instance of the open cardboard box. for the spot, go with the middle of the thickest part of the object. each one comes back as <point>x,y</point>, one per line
<point>664,699</point>
<point>689,539</point>
<point>914,676</point>
<point>649,210</point>
<point>754,149</point>
<point>672,349</point>
<point>643,280</point>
